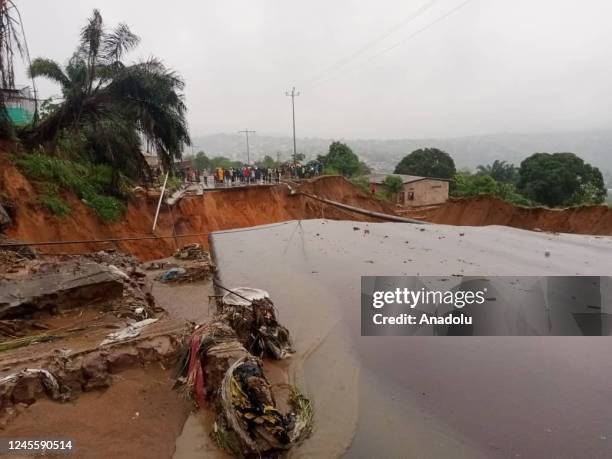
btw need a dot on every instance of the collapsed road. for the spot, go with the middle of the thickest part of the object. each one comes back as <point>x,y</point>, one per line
<point>440,393</point>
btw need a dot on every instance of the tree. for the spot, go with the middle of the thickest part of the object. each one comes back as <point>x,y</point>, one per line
<point>427,162</point>
<point>560,179</point>
<point>200,161</point>
<point>500,171</point>
<point>393,183</point>
<point>341,159</point>
<point>112,105</point>
<point>267,161</point>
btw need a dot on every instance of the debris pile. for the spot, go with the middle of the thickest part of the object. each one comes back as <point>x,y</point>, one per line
<point>189,264</point>
<point>252,315</point>
<point>67,374</point>
<point>58,287</point>
<point>68,321</point>
<point>218,369</point>
<point>251,423</point>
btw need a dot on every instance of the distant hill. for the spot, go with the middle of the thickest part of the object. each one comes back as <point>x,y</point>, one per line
<point>594,147</point>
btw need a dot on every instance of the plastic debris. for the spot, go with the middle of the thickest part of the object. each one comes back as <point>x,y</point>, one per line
<point>172,274</point>
<point>129,332</point>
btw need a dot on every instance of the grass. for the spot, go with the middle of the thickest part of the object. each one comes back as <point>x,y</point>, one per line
<point>55,204</point>
<point>25,341</point>
<point>304,411</point>
<point>174,183</point>
<point>92,183</point>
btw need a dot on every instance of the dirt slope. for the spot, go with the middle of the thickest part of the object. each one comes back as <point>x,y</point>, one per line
<point>488,210</point>
<point>215,210</point>
<point>244,207</point>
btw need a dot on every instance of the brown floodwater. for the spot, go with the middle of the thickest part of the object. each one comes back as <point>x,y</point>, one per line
<point>427,396</point>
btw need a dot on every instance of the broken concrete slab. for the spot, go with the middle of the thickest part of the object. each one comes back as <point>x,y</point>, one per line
<point>86,283</point>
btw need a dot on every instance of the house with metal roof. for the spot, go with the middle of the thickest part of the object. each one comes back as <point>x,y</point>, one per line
<point>416,190</point>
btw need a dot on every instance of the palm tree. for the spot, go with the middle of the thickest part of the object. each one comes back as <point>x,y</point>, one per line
<point>500,171</point>
<point>112,106</point>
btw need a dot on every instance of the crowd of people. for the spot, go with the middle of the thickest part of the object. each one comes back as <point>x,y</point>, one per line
<point>246,175</point>
<point>250,175</point>
<point>300,171</point>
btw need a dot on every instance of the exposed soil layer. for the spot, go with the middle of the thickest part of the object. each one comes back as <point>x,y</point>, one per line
<point>488,210</point>
<point>214,210</point>
<point>245,207</point>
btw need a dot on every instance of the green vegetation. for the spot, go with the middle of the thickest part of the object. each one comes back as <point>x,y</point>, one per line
<point>174,183</point>
<point>340,160</point>
<point>393,183</point>
<point>93,183</point>
<point>465,184</point>
<point>427,162</point>
<point>201,162</point>
<point>392,186</point>
<point>360,182</point>
<point>109,106</point>
<point>55,204</point>
<point>268,162</point>
<point>560,179</point>
<point>500,171</point>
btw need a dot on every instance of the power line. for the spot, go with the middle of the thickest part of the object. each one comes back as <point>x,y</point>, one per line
<point>293,95</point>
<point>246,132</point>
<point>401,42</point>
<point>342,62</point>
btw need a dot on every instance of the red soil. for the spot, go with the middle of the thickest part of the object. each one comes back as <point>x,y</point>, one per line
<point>488,210</point>
<point>215,210</point>
<point>244,207</point>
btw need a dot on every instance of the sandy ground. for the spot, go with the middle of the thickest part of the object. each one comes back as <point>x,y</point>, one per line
<point>139,416</point>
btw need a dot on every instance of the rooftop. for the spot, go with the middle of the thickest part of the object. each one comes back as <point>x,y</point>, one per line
<point>379,178</point>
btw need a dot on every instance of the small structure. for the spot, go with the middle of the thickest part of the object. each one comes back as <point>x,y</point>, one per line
<point>20,104</point>
<point>416,191</point>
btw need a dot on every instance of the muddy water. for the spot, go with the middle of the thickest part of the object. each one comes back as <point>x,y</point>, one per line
<point>427,396</point>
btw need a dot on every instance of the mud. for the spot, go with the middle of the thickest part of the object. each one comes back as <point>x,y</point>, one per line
<point>488,210</point>
<point>139,416</point>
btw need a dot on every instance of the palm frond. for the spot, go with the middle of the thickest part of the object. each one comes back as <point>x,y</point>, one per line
<point>49,69</point>
<point>118,42</point>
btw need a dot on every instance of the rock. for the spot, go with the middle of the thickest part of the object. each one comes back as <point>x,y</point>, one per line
<point>28,388</point>
<point>96,372</point>
<point>122,359</point>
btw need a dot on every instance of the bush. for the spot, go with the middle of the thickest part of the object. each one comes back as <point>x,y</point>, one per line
<point>93,183</point>
<point>55,204</point>
<point>465,184</point>
<point>174,183</point>
<point>362,183</point>
<point>328,170</point>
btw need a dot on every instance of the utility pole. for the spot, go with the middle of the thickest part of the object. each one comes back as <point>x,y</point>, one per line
<point>246,132</point>
<point>293,95</point>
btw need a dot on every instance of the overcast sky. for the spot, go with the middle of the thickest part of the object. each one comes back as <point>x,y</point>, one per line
<point>365,69</point>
